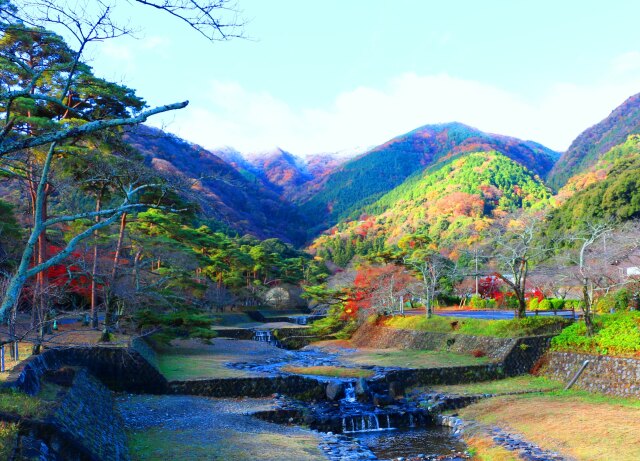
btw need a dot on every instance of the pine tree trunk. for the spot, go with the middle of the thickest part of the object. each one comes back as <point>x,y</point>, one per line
<point>94,268</point>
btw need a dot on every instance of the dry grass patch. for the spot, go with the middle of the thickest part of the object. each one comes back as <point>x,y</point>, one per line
<point>577,424</point>
<point>409,358</point>
<point>336,372</point>
<point>483,449</point>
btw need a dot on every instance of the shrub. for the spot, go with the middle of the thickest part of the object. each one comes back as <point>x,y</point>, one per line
<point>573,304</point>
<point>534,304</point>
<point>476,302</point>
<point>605,304</point>
<point>545,305</point>
<point>557,304</point>
<point>615,334</point>
<point>622,300</point>
<point>477,353</point>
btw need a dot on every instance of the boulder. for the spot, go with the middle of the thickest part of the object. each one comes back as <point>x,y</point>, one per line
<point>334,390</point>
<point>396,389</point>
<point>362,387</point>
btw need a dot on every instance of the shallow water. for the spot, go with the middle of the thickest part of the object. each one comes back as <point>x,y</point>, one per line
<point>411,442</point>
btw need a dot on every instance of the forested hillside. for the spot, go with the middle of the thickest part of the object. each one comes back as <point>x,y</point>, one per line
<point>610,189</point>
<point>596,141</point>
<point>360,182</point>
<point>238,202</point>
<point>452,203</point>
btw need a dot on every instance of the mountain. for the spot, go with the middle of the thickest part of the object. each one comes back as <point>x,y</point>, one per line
<point>361,181</point>
<point>224,194</point>
<point>283,171</point>
<point>596,141</point>
<point>452,202</point>
<point>610,189</point>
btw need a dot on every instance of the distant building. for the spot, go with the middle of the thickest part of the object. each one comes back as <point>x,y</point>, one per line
<point>633,271</point>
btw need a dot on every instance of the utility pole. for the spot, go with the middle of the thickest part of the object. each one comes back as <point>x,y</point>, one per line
<point>476,273</point>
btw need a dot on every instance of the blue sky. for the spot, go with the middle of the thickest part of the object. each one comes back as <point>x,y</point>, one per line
<point>318,76</point>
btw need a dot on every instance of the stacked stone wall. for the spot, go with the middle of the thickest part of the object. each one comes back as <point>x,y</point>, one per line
<point>608,375</point>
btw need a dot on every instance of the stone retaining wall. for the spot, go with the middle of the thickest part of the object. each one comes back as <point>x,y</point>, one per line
<point>83,426</point>
<point>296,386</point>
<point>119,368</point>
<point>609,375</point>
<point>87,417</point>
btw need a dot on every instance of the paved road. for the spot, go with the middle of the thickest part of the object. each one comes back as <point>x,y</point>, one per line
<point>499,314</point>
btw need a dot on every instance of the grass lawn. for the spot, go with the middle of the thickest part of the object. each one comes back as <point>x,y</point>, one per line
<point>409,358</point>
<point>337,372</point>
<point>193,359</point>
<point>159,444</point>
<point>518,383</point>
<point>575,423</point>
<point>196,365</point>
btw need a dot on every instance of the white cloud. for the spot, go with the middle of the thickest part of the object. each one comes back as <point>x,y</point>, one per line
<point>626,62</point>
<point>249,121</point>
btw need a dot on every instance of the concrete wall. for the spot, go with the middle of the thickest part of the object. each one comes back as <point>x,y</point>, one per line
<point>608,375</point>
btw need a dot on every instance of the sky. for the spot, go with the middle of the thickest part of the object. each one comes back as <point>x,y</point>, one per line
<point>317,76</point>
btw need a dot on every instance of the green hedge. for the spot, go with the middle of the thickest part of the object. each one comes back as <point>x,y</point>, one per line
<point>615,334</point>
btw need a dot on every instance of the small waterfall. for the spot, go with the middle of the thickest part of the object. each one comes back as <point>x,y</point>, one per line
<point>412,422</point>
<point>350,393</point>
<point>363,423</point>
<point>262,336</point>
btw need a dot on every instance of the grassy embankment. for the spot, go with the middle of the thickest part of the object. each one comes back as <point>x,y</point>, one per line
<point>615,334</point>
<point>524,383</point>
<point>575,423</point>
<point>26,406</point>
<point>529,326</point>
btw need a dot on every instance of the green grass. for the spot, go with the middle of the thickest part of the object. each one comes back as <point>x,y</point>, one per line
<point>499,328</point>
<point>615,334</point>
<point>409,358</point>
<point>191,365</point>
<point>501,386</point>
<point>163,444</point>
<point>8,434</point>
<point>13,401</point>
<point>336,372</point>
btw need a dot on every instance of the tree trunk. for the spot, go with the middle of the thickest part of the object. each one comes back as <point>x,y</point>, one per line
<point>521,312</point>
<point>94,267</point>
<point>587,299</point>
<point>108,315</point>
